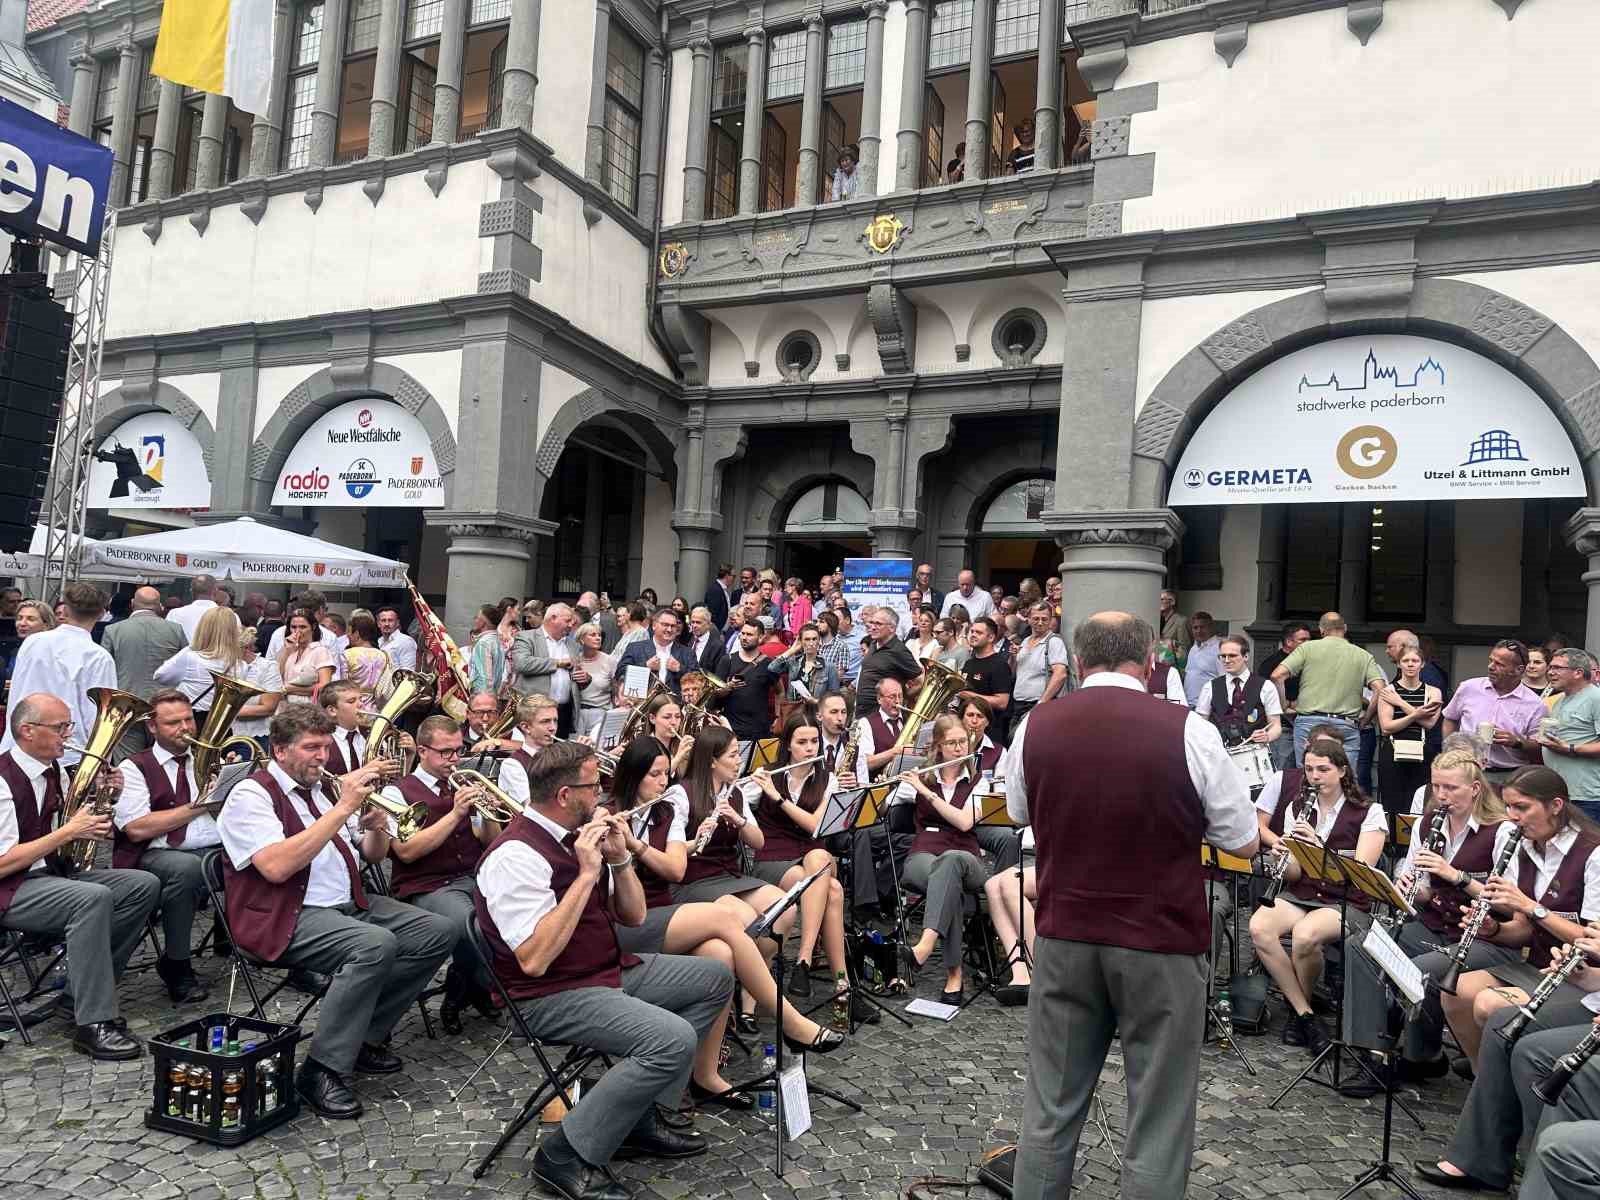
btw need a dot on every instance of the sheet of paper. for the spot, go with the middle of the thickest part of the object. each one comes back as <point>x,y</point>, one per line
<point>228,778</point>
<point>932,1008</point>
<point>611,726</point>
<point>1392,961</point>
<point>796,1100</point>
<point>801,690</point>
<point>636,681</point>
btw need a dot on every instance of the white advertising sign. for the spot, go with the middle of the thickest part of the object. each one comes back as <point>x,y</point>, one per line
<point>149,461</point>
<point>367,453</point>
<point>1385,417</point>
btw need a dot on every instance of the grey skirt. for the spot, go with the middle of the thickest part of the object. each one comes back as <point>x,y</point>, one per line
<point>715,888</point>
<point>774,871</point>
<point>1524,975</point>
<point>646,938</point>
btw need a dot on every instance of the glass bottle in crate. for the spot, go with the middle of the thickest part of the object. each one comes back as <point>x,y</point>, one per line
<point>177,1087</point>
<point>267,1084</point>
<point>232,1088</point>
<point>199,1094</point>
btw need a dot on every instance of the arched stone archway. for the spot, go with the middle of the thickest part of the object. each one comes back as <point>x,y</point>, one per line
<point>134,399</point>
<point>1518,337</point>
<point>645,430</point>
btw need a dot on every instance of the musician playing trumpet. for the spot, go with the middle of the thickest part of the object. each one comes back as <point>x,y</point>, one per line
<point>538,718</point>
<point>161,829</point>
<point>434,867</point>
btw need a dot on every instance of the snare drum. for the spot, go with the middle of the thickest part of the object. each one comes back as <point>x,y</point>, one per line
<point>1254,762</point>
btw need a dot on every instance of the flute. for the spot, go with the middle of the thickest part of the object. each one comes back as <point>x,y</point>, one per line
<point>929,768</point>
<point>704,840</point>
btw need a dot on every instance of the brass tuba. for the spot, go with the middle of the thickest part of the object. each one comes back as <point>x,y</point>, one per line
<point>506,719</point>
<point>114,712</point>
<point>697,716</point>
<point>383,740</point>
<point>212,745</point>
<point>939,687</point>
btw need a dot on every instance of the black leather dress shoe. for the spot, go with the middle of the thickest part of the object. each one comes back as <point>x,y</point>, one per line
<point>450,1016</point>
<point>1429,1170</point>
<point>326,1093</point>
<point>183,985</point>
<point>103,1040</point>
<point>377,1060</point>
<point>1421,1072</point>
<point>662,1142</point>
<point>576,1180</point>
<point>826,1042</point>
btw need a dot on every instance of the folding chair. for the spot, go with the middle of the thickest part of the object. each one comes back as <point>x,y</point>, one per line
<point>243,961</point>
<point>557,1080</point>
<point>377,884</point>
<point>12,950</point>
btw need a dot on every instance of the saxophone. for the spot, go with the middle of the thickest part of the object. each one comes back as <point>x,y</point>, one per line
<point>1475,918</point>
<point>852,750</point>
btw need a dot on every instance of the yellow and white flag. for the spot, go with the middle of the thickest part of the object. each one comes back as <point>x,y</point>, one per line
<point>218,46</point>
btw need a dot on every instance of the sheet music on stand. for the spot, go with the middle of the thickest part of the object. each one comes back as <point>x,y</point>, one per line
<point>1338,869</point>
<point>636,682</point>
<point>840,811</point>
<point>611,727</point>
<point>1386,954</point>
<point>229,777</point>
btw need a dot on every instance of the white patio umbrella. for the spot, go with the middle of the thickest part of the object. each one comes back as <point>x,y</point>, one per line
<point>246,550</point>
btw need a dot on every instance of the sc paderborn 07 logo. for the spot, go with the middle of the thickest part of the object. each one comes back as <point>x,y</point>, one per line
<point>1367,451</point>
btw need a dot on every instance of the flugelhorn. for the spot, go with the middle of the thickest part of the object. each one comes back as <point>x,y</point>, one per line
<point>114,712</point>
<point>1476,916</point>
<point>493,804</point>
<point>408,818</point>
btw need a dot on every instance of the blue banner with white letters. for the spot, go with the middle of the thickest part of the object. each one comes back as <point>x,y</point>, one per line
<point>54,184</point>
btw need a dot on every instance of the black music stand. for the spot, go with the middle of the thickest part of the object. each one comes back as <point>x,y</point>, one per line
<point>1220,860</point>
<point>1349,875</point>
<point>759,928</point>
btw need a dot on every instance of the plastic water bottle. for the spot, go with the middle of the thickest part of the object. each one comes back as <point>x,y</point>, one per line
<point>1224,1019</point>
<point>767,1097</point>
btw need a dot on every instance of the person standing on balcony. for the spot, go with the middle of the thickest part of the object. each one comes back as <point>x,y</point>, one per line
<point>846,182</point>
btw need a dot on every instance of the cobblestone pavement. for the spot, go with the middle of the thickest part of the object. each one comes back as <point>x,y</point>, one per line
<point>935,1097</point>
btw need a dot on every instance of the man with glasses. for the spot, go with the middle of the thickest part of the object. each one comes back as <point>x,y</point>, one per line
<point>1241,704</point>
<point>433,868</point>
<point>884,655</point>
<point>1572,750</point>
<point>102,916</point>
<point>1498,708</point>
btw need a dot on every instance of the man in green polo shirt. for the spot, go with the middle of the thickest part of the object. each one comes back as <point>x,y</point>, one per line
<point>1332,673</point>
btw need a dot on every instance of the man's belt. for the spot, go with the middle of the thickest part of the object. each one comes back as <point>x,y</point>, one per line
<point>1336,716</point>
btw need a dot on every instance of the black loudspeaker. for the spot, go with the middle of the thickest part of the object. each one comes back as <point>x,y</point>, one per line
<point>34,332</point>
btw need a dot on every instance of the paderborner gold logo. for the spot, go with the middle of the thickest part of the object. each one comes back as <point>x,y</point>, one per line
<point>1367,451</point>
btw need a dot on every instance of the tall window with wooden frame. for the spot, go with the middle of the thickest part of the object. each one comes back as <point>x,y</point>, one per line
<point>624,117</point>
<point>949,53</point>
<point>419,72</point>
<point>843,76</point>
<point>729,79</point>
<point>356,80</point>
<point>302,91</point>
<point>484,67</point>
<point>144,130</point>
<point>780,125</point>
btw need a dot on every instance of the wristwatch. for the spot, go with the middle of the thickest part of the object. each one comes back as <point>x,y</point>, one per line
<point>1540,912</point>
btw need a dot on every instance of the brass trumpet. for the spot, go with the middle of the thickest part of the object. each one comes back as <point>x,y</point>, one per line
<point>408,818</point>
<point>493,804</point>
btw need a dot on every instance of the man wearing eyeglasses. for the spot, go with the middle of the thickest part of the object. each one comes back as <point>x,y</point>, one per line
<point>102,916</point>
<point>1499,708</point>
<point>1241,704</point>
<point>1572,750</point>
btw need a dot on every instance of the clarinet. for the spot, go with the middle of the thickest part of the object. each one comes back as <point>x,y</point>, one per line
<point>1570,966</point>
<point>1476,917</point>
<point>1549,1088</point>
<point>1434,840</point>
<point>1298,810</point>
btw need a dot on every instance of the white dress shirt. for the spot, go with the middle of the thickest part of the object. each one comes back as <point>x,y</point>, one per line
<point>134,802</point>
<point>65,663</point>
<point>249,822</point>
<point>1225,796</point>
<point>1269,692</point>
<point>10,832</point>
<point>513,780</point>
<point>263,672</point>
<point>1376,820</point>
<point>1547,864</point>
<point>188,617</point>
<point>866,747</point>
<point>190,672</point>
<point>560,653</point>
<point>661,654</point>
<point>700,644</point>
<point>979,604</point>
<point>514,881</point>
<point>678,831</point>
<point>399,646</point>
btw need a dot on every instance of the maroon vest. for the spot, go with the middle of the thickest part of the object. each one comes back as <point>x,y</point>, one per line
<point>262,915</point>
<point>989,760</point>
<point>784,840</point>
<point>125,852</point>
<point>1157,686</point>
<point>457,856</point>
<point>882,738</point>
<point>1118,822</point>
<point>720,857</point>
<point>31,823</point>
<point>657,891</point>
<point>1564,896</point>
<point>337,762</point>
<point>935,835</point>
<point>1250,714</point>
<point>589,959</point>
<point>1343,836</point>
<point>1442,913</point>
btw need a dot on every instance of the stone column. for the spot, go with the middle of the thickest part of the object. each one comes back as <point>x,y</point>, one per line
<point>755,106</point>
<point>1269,560</point>
<point>871,101</point>
<point>231,485</point>
<point>1047,92</point>
<point>164,149</point>
<point>447,84</point>
<point>1353,533</point>
<point>1582,533</point>
<point>695,527</point>
<point>811,114</point>
<point>122,121</point>
<point>694,162</point>
<point>635,577</point>
<point>213,121</point>
<point>490,554</point>
<point>913,84</point>
<point>1114,560</point>
<point>330,64</point>
<point>383,125</point>
<point>980,90</point>
<point>651,120</point>
<point>594,150</point>
<point>522,66</point>
<point>593,518</point>
<point>266,132</point>
<point>80,116</point>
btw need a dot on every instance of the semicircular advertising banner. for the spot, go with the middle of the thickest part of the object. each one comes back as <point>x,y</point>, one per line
<point>367,453</point>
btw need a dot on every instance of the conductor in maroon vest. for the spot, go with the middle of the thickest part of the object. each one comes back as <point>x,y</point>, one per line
<point>100,916</point>
<point>160,830</point>
<point>295,898</point>
<point>434,868</point>
<point>548,891</point>
<point>1121,788</point>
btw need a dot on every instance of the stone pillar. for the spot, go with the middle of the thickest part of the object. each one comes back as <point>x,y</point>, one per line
<point>213,121</point>
<point>755,106</point>
<point>635,577</point>
<point>1114,560</point>
<point>80,116</point>
<point>447,85</point>
<point>694,556</point>
<point>1535,563</point>
<point>871,101</point>
<point>1269,561</point>
<point>980,90</point>
<point>330,64</point>
<point>522,66</point>
<point>694,162</point>
<point>266,132</point>
<point>1047,92</point>
<point>1353,533</point>
<point>382,127</point>
<point>696,528</point>
<point>164,149</point>
<point>913,84</point>
<point>122,121</point>
<point>1582,533</point>
<point>652,120</point>
<point>1440,584</point>
<point>231,485</point>
<point>490,554</point>
<point>811,114</point>
<point>593,518</point>
<point>594,150</point>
